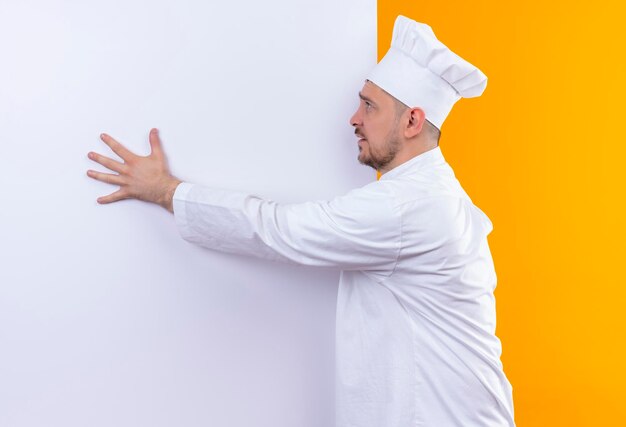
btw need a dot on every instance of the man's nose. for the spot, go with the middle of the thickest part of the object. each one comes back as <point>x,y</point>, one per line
<point>354,120</point>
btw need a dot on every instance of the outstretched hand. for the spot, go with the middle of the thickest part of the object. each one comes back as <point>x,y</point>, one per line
<point>145,178</point>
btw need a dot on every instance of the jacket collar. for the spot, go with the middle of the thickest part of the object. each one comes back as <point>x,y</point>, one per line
<point>432,156</point>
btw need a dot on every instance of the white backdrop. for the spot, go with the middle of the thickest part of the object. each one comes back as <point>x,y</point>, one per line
<point>108,317</point>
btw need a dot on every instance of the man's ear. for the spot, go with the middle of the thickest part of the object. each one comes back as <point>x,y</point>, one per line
<point>417,117</point>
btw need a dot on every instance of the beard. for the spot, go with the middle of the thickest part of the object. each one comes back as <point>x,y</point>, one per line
<point>381,157</point>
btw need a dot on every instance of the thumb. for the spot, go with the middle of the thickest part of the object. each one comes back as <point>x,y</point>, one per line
<point>155,143</point>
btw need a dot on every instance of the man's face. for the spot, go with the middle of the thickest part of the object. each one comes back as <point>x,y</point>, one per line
<point>376,122</point>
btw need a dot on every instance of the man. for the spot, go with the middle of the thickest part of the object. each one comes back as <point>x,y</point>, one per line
<point>416,342</point>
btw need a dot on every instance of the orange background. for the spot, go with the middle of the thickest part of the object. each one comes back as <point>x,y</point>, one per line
<point>542,154</point>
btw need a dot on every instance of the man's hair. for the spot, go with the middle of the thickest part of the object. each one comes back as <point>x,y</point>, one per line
<point>433,132</point>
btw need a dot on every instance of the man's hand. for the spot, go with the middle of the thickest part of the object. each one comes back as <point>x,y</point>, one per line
<point>143,178</point>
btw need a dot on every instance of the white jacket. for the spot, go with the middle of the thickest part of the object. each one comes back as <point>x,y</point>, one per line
<point>415,333</point>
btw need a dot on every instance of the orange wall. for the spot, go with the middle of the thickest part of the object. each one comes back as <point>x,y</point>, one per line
<point>542,153</point>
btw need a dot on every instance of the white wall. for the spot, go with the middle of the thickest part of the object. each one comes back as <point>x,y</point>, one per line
<point>108,317</point>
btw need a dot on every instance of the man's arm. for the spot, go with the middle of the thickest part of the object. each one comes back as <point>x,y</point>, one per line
<point>356,231</point>
<point>360,230</point>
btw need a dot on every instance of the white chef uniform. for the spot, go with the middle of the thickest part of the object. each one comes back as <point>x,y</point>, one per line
<point>415,332</point>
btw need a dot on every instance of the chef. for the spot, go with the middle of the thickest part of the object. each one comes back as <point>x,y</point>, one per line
<point>415,333</point>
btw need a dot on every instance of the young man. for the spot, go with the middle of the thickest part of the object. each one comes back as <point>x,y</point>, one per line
<point>416,343</point>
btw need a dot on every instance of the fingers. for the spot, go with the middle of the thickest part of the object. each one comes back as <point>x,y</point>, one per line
<point>113,197</point>
<point>107,162</point>
<point>106,177</point>
<point>139,177</point>
<point>117,148</point>
<point>155,143</point>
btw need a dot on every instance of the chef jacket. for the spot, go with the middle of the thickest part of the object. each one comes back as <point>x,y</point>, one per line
<point>415,320</point>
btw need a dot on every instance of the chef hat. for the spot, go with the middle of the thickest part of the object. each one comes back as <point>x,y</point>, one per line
<point>420,71</point>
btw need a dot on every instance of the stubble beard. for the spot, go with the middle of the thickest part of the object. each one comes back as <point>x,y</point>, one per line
<point>376,160</point>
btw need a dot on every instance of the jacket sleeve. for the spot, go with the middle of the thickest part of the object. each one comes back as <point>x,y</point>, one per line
<point>357,231</point>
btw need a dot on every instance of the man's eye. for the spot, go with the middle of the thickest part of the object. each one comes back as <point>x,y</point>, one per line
<point>368,105</point>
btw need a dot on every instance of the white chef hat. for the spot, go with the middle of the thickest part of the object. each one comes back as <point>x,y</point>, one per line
<point>420,71</point>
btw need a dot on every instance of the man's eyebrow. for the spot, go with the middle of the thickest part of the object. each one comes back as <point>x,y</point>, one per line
<point>365,98</point>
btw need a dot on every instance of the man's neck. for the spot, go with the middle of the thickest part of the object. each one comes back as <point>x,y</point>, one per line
<point>411,151</point>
